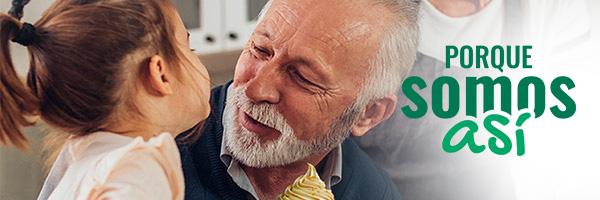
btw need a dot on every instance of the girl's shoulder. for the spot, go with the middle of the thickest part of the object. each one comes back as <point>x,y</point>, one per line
<point>161,150</point>
<point>141,168</point>
<point>110,166</point>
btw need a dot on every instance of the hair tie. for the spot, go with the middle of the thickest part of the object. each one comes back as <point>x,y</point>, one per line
<point>17,8</point>
<point>26,36</point>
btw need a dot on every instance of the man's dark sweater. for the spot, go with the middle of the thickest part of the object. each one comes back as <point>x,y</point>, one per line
<point>206,176</point>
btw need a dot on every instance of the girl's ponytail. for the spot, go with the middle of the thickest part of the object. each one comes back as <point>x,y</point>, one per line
<point>17,101</point>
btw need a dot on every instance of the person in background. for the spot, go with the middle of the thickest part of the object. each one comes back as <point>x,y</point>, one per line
<point>410,149</point>
<point>117,75</point>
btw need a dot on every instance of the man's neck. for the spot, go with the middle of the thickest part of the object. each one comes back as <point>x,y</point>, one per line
<point>269,182</point>
<point>459,8</point>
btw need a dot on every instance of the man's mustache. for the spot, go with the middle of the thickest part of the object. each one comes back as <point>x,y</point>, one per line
<point>264,113</point>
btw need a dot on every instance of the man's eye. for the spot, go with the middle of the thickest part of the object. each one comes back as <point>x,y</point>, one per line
<point>299,76</point>
<point>304,82</point>
<point>262,53</point>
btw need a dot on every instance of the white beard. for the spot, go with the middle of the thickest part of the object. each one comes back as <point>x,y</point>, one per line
<point>245,146</point>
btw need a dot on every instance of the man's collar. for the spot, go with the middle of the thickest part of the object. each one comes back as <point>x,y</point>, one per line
<point>332,169</point>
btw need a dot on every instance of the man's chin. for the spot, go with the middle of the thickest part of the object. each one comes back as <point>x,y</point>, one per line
<point>247,149</point>
<point>254,162</point>
<point>259,139</point>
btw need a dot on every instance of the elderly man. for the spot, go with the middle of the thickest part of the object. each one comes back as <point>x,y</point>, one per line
<point>312,74</point>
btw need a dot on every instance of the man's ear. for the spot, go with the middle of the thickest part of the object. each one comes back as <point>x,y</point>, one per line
<point>159,80</point>
<point>376,112</point>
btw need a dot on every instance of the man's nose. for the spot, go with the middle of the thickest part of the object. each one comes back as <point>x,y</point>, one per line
<point>263,87</point>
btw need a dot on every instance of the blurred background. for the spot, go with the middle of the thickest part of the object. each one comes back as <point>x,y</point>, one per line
<point>219,29</point>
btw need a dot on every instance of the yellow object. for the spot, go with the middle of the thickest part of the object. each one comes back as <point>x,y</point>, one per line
<point>307,187</point>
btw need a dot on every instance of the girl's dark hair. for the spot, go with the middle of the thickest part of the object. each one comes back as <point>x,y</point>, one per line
<point>81,55</point>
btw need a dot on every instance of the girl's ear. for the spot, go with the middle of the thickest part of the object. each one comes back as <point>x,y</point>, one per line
<point>159,80</point>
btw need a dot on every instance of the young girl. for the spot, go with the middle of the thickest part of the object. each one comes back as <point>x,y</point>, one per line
<point>119,76</point>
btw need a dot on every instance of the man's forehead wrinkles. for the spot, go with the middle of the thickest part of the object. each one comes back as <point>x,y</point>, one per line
<point>337,38</point>
<point>354,31</point>
<point>329,40</point>
<point>283,15</point>
<point>280,23</point>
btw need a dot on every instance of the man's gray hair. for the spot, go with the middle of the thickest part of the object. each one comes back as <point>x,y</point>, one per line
<point>397,53</point>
